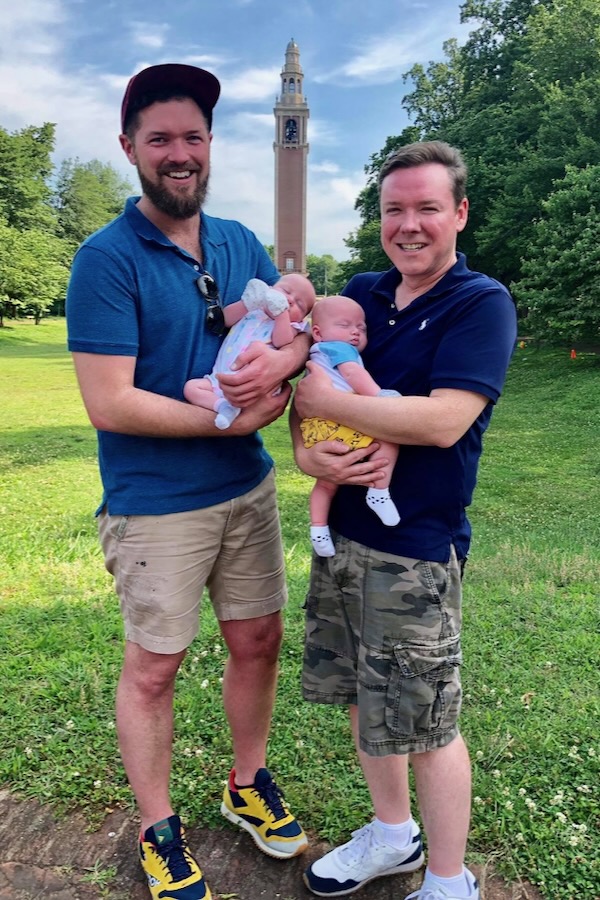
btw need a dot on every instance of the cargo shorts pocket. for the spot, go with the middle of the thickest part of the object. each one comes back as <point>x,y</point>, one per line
<point>424,687</point>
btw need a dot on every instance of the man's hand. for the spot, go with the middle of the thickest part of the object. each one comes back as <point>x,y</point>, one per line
<point>312,390</point>
<point>256,374</point>
<point>335,461</point>
<point>265,410</point>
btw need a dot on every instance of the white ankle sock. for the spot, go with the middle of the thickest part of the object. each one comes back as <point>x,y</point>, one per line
<point>457,886</point>
<point>397,836</point>
<point>320,539</point>
<point>379,500</point>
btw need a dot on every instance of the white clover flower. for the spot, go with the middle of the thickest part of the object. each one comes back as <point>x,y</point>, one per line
<point>582,828</point>
<point>299,744</point>
<point>584,789</point>
<point>529,803</point>
<point>217,648</point>
<point>76,774</point>
<point>520,837</point>
<point>591,752</point>
<point>477,801</point>
<point>204,653</point>
<point>479,754</point>
<point>558,798</point>
<point>198,751</point>
<point>204,684</point>
<point>509,805</point>
<point>28,751</point>
<point>496,773</point>
<point>522,792</point>
<point>574,753</point>
<point>574,840</point>
<point>561,817</point>
<point>70,725</point>
<point>97,783</point>
<point>110,725</point>
<point>187,751</point>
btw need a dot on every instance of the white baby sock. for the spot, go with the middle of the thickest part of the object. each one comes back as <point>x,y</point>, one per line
<point>226,413</point>
<point>320,538</point>
<point>379,500</point>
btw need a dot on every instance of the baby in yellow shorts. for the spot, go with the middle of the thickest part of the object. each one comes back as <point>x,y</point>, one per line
<point>340,334</point>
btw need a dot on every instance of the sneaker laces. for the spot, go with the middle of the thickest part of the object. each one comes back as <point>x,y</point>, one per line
<point>362,841</point>
<point>174,855</point>
<point>272,796</point>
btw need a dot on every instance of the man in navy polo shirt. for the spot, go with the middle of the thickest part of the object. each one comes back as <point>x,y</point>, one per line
<point>384,613</point>
<point>184,505</point>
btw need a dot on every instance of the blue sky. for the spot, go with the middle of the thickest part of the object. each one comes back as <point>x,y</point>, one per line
<point>68,62</point>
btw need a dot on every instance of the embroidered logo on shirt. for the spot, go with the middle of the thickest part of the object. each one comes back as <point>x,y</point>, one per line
<point>423,325</point>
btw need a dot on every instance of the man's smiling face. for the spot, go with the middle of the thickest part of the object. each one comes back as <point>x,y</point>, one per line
<point>171,151</point>
<point>420,221</point>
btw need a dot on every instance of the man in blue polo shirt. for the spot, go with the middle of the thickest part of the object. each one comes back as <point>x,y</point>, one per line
<point>185,504</point>
<point>384,613</point>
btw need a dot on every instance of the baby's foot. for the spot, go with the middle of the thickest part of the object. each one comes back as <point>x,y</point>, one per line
<point>379,500</point>
<point>320,539</point>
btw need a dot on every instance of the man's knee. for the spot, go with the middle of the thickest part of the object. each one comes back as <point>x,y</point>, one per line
<point>254,639</point>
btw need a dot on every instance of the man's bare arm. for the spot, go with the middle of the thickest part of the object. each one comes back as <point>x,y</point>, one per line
<point>113,403</point>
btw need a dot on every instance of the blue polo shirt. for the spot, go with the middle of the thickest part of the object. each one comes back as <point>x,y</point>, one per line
<point>460,334</point>
<point>133,293</point>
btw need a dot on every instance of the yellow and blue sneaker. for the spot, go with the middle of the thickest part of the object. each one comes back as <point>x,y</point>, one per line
<point>260,809</point>
<point>170,868</point>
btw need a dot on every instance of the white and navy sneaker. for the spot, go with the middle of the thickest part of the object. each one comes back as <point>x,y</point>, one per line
<point>351,866</point>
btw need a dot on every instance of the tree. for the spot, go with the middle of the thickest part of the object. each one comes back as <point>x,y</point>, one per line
<point>560,286</point>
<point>33,272</point>
<point>25,167</point>
<point>87,196</point>
<point>322,271</point>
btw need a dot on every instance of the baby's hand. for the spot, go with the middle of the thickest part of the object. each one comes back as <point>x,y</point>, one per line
<point>276,303</point>
<point>255,295</point>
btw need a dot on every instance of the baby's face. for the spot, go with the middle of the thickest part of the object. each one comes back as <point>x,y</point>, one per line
<point>342,322</point>
<point>299,293</point>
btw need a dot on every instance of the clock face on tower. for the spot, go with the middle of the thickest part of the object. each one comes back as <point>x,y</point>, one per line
<point>291,130</point>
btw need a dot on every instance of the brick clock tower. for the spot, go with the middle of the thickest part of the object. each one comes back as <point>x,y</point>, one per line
<point>291,151</point>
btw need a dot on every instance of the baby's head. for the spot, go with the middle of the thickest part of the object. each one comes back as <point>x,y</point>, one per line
<point>339,319</point>
<point>299,293</point>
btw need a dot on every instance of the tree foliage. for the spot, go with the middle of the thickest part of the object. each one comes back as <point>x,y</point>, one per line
<point>42,218</point>
<point>521,98</point>
<point>560,284</point>
<point>87,196</point>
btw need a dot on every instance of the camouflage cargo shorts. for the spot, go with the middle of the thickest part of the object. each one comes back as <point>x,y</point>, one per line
<point>383,633</point>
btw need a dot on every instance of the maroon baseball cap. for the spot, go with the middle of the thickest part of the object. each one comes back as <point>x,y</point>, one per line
<point>200,85</point>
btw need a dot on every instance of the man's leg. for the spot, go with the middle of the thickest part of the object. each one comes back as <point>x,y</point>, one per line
<point>145,727</point>
<point>443,782</point>
<point>249,685</point>
<point>387,780</point>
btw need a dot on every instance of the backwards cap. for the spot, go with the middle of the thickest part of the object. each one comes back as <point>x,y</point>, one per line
<point>200,85</point>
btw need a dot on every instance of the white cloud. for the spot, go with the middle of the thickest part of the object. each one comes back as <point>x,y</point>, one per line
<point>384,60</point>
<point>251,86</point>
<point>146,35</point>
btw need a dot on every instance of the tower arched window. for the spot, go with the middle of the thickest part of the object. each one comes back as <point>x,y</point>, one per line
<point>292,87</point>
<point>291,131</point>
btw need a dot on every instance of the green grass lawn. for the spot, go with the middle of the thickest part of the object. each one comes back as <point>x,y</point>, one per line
<point>531,637</point>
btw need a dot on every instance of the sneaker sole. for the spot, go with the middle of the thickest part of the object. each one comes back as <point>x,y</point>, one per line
<point>397,870</point>
<point>266,848</point>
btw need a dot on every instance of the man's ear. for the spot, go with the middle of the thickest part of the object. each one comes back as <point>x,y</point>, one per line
<point>128,148</point>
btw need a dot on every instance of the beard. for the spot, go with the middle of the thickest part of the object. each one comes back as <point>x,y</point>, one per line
<point>177,206</point>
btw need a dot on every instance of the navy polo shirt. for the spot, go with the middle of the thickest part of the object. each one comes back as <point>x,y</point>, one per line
<point>460,334</point>
<point>133,293</point>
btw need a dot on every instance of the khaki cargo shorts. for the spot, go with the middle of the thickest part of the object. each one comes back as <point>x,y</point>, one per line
<point>161,565</point>
<point>383,633</point>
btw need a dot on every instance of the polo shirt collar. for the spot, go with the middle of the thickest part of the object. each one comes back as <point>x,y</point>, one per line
<point>387,283</point>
